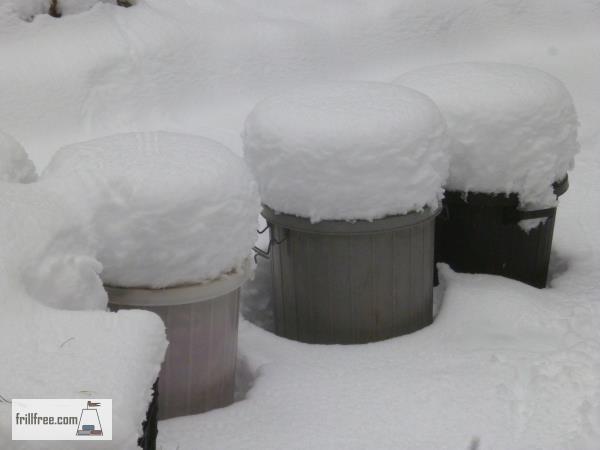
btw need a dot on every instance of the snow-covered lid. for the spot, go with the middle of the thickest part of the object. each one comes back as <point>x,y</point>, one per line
<point>169,209</point>
<point>512,128</point>
<point>347,151</point>
<point>15,165</point>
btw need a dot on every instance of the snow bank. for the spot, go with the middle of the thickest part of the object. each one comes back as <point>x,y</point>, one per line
<point>61,270</point>
<point>82,354</point>
<point>47,257</point>
<point>347,151</point>
<point>55,263</point>
<point>513,128</point>
<point>15,165</point>
<point>168,208</point>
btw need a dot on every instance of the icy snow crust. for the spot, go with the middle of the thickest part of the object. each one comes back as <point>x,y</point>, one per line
<point>172,208</point>
<point>15,165</point>
<point>347,151</point>
<point>512,128</point>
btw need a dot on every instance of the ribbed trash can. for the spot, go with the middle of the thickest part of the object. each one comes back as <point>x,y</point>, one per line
<point>338,282</point>
<point>513,133</point>
<point>201,321</point>
<point>480,233</point>
<point>350,177</point>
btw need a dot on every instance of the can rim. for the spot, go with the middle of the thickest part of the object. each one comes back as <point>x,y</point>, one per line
<point>345,227</point>
<point>182,294</point>
<point>490,199</point>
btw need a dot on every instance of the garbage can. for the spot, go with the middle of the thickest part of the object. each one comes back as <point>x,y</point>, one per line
<point>147,440</point>
<point>198,373</point>
<point>350,176</point>
<point>513,132</point>
<point>480,233</point>
<point>174,217</point>
<point>351,282</point>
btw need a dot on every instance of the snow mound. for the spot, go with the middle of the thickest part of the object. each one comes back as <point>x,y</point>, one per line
<point>57,266</point>
<point>347,151</point>
<point>15,165</point>
<point>512,128</point>
<point>47,257</point>
<point>52,358</point>
<point>167,208</point>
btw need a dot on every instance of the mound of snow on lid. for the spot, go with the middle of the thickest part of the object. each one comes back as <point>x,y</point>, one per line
<point>168,208</point>
<point>513,128</point>
<point>347,151</point>
<point>15,165</point>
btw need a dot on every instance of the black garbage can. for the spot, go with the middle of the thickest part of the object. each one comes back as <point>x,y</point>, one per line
<point>150,426</point>
<point>480,233</point>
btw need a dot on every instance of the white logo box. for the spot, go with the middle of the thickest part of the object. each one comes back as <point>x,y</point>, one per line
<point>67,419</point>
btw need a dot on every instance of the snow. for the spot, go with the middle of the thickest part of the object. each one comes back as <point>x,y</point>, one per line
<point>169,208</point>
<point>46,257</point>
<point>28,9</point>
<point>47,249</point>
<point>347,151</point>
<point>15,165</point>
<point>50,357</point>
<point>199,68</point>
<point>513,128</point>
<point>63,272</point>
<point>500,355</point>
<point>79,6</point>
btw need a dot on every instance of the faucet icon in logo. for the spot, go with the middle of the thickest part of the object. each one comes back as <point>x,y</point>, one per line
<point>89,421</point>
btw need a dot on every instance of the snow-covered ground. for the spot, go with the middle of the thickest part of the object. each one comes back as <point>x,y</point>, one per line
<point>504,365</point>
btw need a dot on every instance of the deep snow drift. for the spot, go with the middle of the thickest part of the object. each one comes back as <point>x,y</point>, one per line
<point>512,128</point>
<point>168,208</point>
<point>347,151</point>
<point>513,366</point>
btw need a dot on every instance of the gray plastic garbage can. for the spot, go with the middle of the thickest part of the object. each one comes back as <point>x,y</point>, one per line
<point>201,321</point>
<point>351,282</point>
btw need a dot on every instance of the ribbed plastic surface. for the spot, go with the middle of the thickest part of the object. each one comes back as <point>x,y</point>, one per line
<point>198,373</point>
<point>335,286</point>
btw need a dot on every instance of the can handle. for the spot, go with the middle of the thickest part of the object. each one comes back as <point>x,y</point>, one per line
<point>266,254</point>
